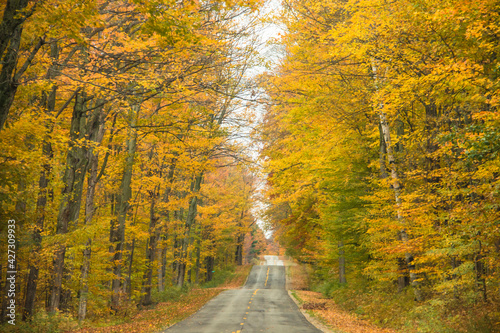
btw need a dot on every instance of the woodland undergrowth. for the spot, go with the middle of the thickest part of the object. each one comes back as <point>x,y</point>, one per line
<point>170,306</point>
<point>363,302</point>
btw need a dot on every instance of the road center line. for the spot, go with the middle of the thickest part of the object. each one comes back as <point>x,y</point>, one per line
<point>248,308</point>
<point>267,277</point>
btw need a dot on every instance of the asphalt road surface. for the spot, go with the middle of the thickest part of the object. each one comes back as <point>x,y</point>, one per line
<point>262,305</point>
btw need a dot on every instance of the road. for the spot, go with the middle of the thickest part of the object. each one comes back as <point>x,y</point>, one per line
<point>262,305</point>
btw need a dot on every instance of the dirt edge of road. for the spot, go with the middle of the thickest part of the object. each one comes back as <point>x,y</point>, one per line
<point>317,323</point>
<point>320,311</point>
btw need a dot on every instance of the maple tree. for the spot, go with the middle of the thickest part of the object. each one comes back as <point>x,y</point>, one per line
<point>120,152</point>
<point>381,144</point>
<point>120,124</point>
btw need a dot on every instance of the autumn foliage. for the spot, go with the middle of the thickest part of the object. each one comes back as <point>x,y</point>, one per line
<point>381,149</point>
<point>120,160</point>
<point>125,162</point>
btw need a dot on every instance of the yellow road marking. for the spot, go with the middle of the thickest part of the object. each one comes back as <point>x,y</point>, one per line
<point>267,277</point>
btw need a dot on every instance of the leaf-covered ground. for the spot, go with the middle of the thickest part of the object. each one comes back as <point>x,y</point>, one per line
<point>162,316</point>
<point>166,314</point>
<point>332,316</point>
<point>325,310</point>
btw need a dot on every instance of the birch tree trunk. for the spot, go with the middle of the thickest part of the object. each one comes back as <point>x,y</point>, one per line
<point>396,186</point>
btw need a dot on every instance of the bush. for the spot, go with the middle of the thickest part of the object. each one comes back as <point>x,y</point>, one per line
<point>327,288</point>
<point>219,277</point>
<point>170,293</point>
<point>42,322</point>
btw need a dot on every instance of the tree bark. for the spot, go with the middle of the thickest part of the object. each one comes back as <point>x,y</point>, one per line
<point>162,268</point>
<point>382,154</point>
<point>128,280</point>
<point>10,41</point>
<point>32,283</point>
<point>239,241</point>
<point>198,260</point>
<point>96,134</point>
<point>76,167</point>
<point>48,102</point>
<point>117,234</point>
<point>396,186</point>
<point>209,265</point>
<point>191,215</point>
<point>150,251</point>
<point>342,276</point>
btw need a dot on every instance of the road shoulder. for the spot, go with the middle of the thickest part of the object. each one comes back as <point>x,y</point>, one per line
<point>323,312</point>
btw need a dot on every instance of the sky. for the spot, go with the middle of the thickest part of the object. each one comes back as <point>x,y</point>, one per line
<point>270,52</point>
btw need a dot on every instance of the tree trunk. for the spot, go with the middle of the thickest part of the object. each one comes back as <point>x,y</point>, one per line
<point>382,154</point>
<point>96,134</point>
<point>128,279</point>
<point>397,195</point>
<point>117,234</point>
<point>175,263</point>
<point>32,283</point>
<point>181,273</point>
<point>239,241</point>
<point>402,278</point>
<point>209,265</point>
<point>396,186</point>
<point>239,250</point>
<point>191,215</point>
<point>198,261</point>
<point>480,273</point>
<point>342,276</point>
<point>10,41</point>
<point>163,229</point>
<point>76,167</point>
<point>150,252</point>
<point>162,268</point>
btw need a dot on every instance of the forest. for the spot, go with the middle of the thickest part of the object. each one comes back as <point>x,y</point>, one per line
<point>130,131</point>
<point>123,166</point>
<point>381,147</point>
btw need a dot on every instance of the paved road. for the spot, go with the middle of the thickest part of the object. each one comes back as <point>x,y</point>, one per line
<point>262,305</point>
